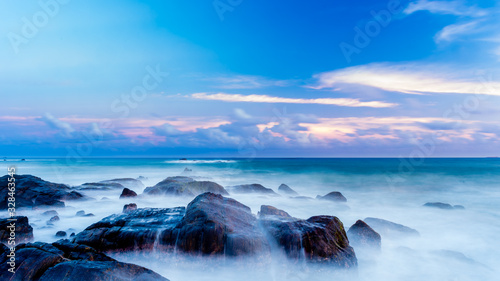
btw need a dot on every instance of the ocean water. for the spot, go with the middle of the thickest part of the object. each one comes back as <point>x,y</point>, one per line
<point>453,244</point>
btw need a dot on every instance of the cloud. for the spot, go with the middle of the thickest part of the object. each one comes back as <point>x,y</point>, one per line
<point>407,78</point>
<point>457,8</point>
<point>245,82</point>
<point>452,31</point>
<point>65,128</point>
<point>270,99</point>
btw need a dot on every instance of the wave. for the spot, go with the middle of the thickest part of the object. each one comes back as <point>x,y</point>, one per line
<point>199,161</point>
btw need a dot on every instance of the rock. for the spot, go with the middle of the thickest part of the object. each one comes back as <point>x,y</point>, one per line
<point>302,198</point>
<point>391,229</point>
<point>266,210</point>
<point>63,260</point>
<point>135,230</point>
<point>187,172</point>
<point>362,235</point>
<point>33,192</point>
<point>22,229</point>
<point>129,208</point>
<point>184,186</point>
<point>320,239</point>
<point>183,159</point>
<point>50,213</point>
<point>126,193</point>
<point>100,186</point>
<point>126,182</point>
<point>141,178</point>
<point>444,206</point>
<point>333,196</point>
<point>285,189</point>
<point>252,188</point>
<point>53,219</point>
<point>61,233</point>
<point>216,225</point>
<point>80,213</point>
<point>72,234</point>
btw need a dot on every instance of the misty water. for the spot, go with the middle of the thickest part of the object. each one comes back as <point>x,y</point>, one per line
<point>453,244</point>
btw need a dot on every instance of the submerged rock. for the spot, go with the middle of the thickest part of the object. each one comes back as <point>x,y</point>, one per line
<point>333,196</point>
<point>61,233</point>
<point>444,206</point>
<point>285,189</point>
<point>266,210</point>
<point>251,188</point>
<point>127,193</point>
<point>391,229</point>
<point>184,186</point>
<point>22,229</point>
<point>33,192</point>
<point>66,261</point>
<point>361,235</point>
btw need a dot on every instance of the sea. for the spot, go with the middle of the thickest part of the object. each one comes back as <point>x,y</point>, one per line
<point>461,244</point>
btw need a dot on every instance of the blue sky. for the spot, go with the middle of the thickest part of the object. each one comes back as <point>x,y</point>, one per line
<point>239,78</point>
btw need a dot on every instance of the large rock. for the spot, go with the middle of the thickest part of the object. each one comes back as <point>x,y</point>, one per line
<point>320,239</point>
<point>216,225</point>
<point>333,196</point>
<point>266,210</point>
<point>66,261</point>
<point>34,192</point>
<point>251,188</point>
<point>21,227</point>
<point>133,230</point>
<point>444,206</point>
<point>391,229</point>
<point>184,186</point>
<point>361,235</point>
<point>285,189</point>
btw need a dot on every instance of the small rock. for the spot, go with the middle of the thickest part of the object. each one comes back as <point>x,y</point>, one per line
<point>72,234</point>
<point>362,235</point>
<point>333,196</point>
<point>53,219</point>
<point>80,213</point>
<point>50,213</point>
<point>128,193</point>
<point>89,215</point>
<point>439,205</point>
<point>285,189</point>
<point>266,210</point>
<point>129,208</point>
<point>61,233</point>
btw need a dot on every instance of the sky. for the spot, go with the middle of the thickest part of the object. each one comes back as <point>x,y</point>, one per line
<point>240,78</point>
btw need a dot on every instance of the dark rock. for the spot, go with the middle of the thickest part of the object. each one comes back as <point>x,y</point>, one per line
<point>72,234</point>
<point>61,233</point>
<point>183,159</point>
<point>100,186</point>
<point>216,225</point>
<point>266,210</point>
<point>126,182</point>
<point>136,230</point>
<point>321,239</point>
<point>285,189</point>
<point>126,193</point>
<point>80,213</point>
<point>252,188</point>
<point>363,236</point>
<point>53,219</point>
<point>391,229</point>
<point>439,205</point>
<point>50,213</point>
<point>34,192</point>
<point>63,260</point>
<point>184,186</point>
<point>333,196</point>
<point>22,228</point>
<point>129,208</point>
<point>89,215</point>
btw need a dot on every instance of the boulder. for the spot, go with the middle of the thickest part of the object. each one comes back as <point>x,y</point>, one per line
<point>187,186</point>
<point>333,196</point>
<point>33,192</point>
<point>391,229</point>
<point>266,210</point>
<point>66,261</point>
<point>443,206</point>
<point>22,228</point>
<point>129,208</point>
<point>127,193</point>
<point>320,239</point>
<point>251,188</point>
<point>362,235</point>
<point>285,189</point>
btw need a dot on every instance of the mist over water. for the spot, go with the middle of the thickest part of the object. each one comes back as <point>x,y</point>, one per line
<point>453,244</point>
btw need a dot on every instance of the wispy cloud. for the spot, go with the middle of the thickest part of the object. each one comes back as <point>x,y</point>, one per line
<point>65,128</point>
<point>450,32</point>
<point>406,78</point>
<point>245,82</point>
<point>444,7</point>
<point>271,99</point>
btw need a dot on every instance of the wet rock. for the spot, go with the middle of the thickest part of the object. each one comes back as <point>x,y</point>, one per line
<point>129,208</point>
<point>72,234</point>
<point>61,233</point>
<point>184,186</point>
<point>333,196</point>
<point>50,213</point>
<point>135,230</point>
<point>361,235</point>
<point>216,225</point>
<point>390,229</point>
<point>251,188</point>
<point>126,182</point>
<point>266,210</point>
<point>33,192</point>
<point>21,227</point>
<point>285,189</point>
<point>443,206</point>
<point>66,261</point>
<point>127,193</point>
<point>320,239</point>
